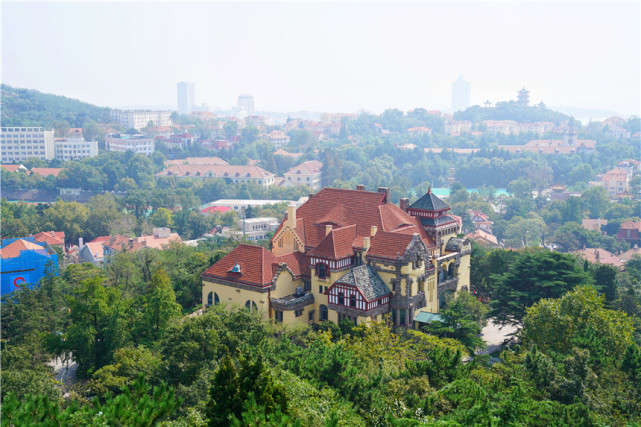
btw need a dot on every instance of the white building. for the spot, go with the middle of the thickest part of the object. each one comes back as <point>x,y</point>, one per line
<point>278,138</point>
<point>135,143</point>
<point>186,97</point>
<point>139,119</point>
<point>307,173</point>
<point>460,94</point>
<point>246,103</point>
<point>17,144</point>
<point>253,229</point>
<point>231,173</point>
<point>74,148</point>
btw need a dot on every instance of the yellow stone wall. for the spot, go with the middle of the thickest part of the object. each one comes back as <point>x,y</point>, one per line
<point>230,295</point>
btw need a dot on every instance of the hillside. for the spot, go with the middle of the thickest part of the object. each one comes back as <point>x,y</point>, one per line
<point>27,107</point>
<point>511,111</point>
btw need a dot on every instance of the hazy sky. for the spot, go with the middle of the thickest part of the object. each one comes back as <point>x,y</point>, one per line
<point>327,56</point>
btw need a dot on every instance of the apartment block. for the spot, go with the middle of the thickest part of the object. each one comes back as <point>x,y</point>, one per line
<point>17,144</point>
<point>139,119</point>
<point>74,148</point>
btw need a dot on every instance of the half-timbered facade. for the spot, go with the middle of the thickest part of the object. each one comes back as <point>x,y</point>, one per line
<point>347,254</point>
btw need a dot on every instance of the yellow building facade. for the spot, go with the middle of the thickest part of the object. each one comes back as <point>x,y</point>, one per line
<point>348,255</point>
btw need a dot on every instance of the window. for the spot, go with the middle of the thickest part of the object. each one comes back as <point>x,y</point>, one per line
<point>341,298</point>
<point>352,300</point>
<point>324,313</point>
<point>299,313</point>
<point>251,305</point>
<point>307,285</point>
<point>278,316</point>
<point>311,316</point>
<point>320,289</point>
<point>321,270</point>
<point>210,299</point>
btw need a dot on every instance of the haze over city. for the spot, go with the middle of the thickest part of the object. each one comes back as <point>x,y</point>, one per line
<point>326,56</point>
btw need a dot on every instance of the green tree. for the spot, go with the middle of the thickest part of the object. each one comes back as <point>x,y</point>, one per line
<point>161,304</point>
<point>596,201</point>
<point>162,218</point>
<point>534,275</point>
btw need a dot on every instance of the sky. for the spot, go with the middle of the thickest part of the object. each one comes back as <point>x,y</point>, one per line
<point>327,56</point>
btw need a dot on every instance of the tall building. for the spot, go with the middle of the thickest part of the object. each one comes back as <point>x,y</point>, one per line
<point>186,97</point>
<point>75,148</point>
<point>348,255</point>
<point>139,119</point>
<point>460,94</point>
<point>524,97</point>
<point>18,144</point>
<point>246,102</point>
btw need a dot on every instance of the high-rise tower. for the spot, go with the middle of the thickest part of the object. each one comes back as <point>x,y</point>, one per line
<point>246,102</point>
<point>460,94</point>
<point>186,97</point>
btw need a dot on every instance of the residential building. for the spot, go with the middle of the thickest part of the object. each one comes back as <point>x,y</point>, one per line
<point>568,145</point>
<point>307,173</point>
<point>481,221</point>
<point>161,238</point>
<point>182,140</point>
<point>253,229</point>
<point>136,143</point>
<point>600,256</point>
<point>74,148</point>
<point>483,238</point>
<point>616,181</point>
<point>594,224</point>
<point>240,204</point>
<point>278,138</point>
<point>17,144</point>
<point>246,104</point>
<point>51,238</point>
<point>461,91</point>
<point>202,161</point>
<point>457,127</point>
<point>630,231</point>
<point>15,168</point>
<point>93,252</point>
<point>632,166</point>
<point>139,119</point>
<point>418,131</point>
<point>24,262</point>
<point>251,174</point>
<point>186,97</point>
<point>348,255</point>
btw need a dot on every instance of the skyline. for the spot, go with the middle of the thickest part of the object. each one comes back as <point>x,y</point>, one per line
<point>326,56</point>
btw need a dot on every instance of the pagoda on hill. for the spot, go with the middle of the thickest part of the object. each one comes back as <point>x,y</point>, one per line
<point>524,97</point>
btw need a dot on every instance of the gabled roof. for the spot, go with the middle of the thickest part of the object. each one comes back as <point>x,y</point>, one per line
<point>368,282</point>
<point>13,250</point>
<point>306,168</point>
<point>97,249</point>
<point>337,244</point>
<point>46,171</point>
<point>389,245</point>
<point>256,266</point>
<point>297,262</point>
<point>429,202</point>
<point>51,237</point>
<point>363,209</point>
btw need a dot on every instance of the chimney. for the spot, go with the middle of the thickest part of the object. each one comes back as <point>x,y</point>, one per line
<point>360,187</point>
<point>291,216</point>
<point>384,190</point>
<point>366,243</point>
<point>112,239</point>
<point>596,254</point>
<point>405,203</point>
<point>309,197</point>
<point>373,229</point>
<point>81,243</point>
<point>328,229</point>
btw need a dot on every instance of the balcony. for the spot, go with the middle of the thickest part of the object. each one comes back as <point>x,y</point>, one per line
<point>447,285</point>
<point>292,302</point>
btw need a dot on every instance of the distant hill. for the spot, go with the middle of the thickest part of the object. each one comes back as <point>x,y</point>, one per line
<point>511,111</point>
<point>27,107</point>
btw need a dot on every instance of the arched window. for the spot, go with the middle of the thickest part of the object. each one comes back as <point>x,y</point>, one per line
<point>450,272</point>
<point>352,300</point>
<point>341,298</point>
<point>441,274</point>
<point>251,305</point>
<point>324,313</point>
<point>210,299</point>
<point>216,299</point>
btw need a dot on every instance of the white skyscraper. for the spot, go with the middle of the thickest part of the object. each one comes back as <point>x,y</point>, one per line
<point>186,97</point>
<point>460,94</point>
<point>246,102</point>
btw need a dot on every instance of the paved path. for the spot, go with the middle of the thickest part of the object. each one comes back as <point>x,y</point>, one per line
<point>65,372</point>
<point>494,335</point>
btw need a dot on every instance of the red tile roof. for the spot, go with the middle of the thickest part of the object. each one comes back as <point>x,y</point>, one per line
<point>256,266</point>
<point>12,168</point>
<point>220,209</point>
<point>297,262</point>
<point>225,171</point>
<point>46,171</point>
<point>51,237</point>
<point>13,249</point>
<point>337,244</point>
<point>389,245</point>
<point>200,161</point>
<point>308,168</point>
